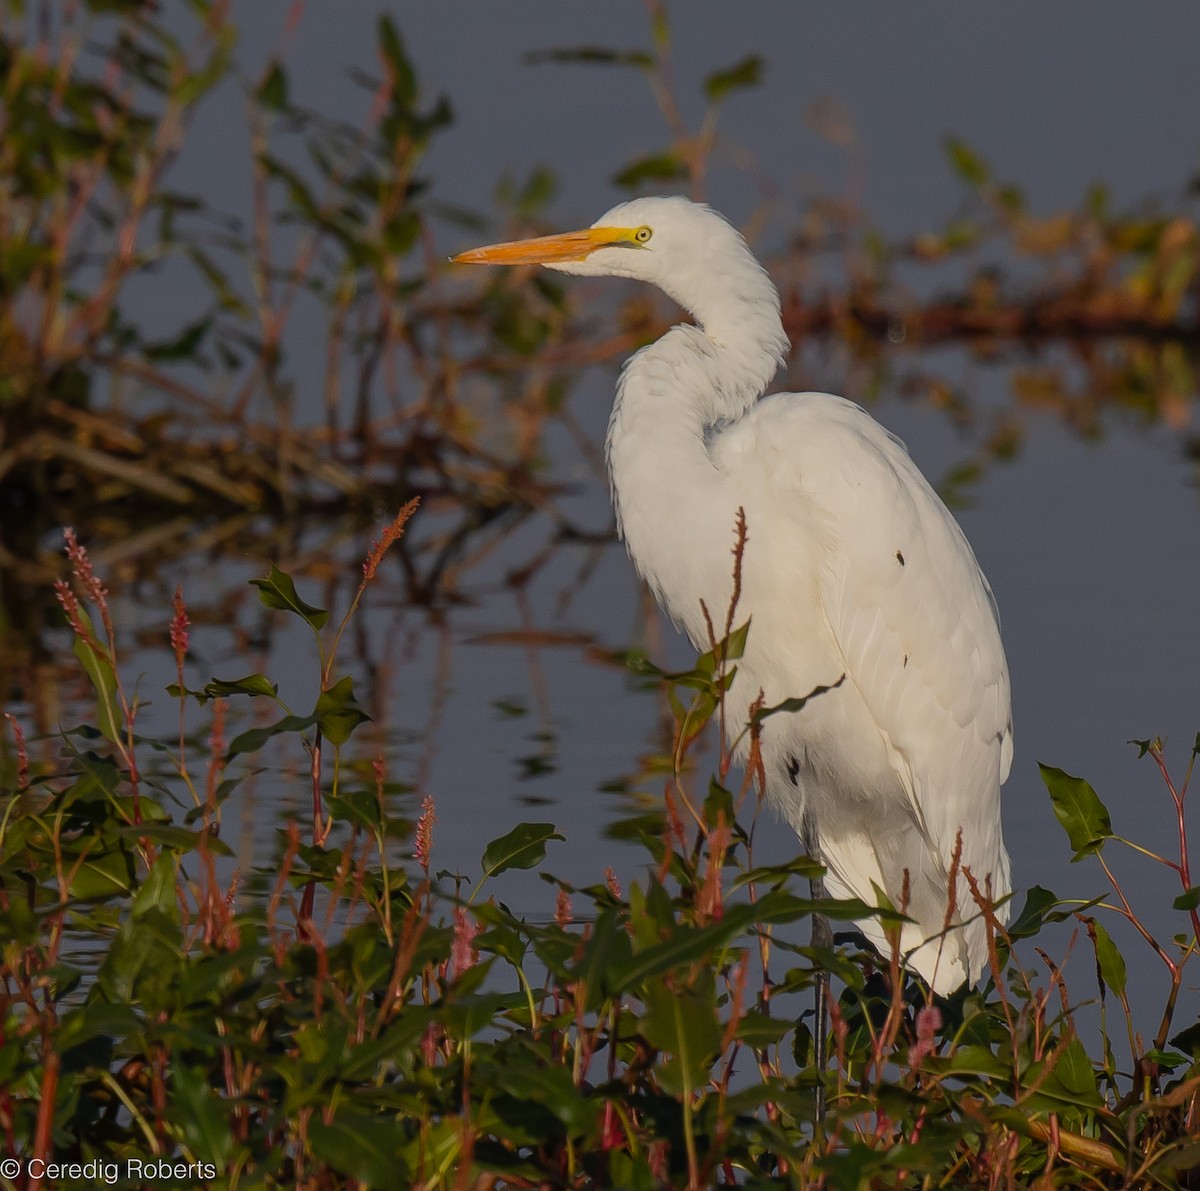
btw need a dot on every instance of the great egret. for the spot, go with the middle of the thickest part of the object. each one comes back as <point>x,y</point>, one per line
<point>853,567</point>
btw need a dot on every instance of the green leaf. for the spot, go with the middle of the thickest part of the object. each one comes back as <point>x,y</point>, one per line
<point>252,684</point>
<point>361,1145</point>
<point>227,297</point>
<point>1075,1072</point>
<point>184,345</point>
<point>684,945</point>
<point>278,591</point>
<point>272,91</point>
<point>523,847</point>
<point>631,1172</point>
<point>1039,909</point>
<point>98,1019</point>
<point>404,79</point>
<point>505,942</point>
<point>746,73</point>
<point>551,1087</point>
<point>98,665</point>
<point>201,1117</point>
<point>357,806</point>
<point>363,1061</point>
<point>253,739</point>
<point>803,1045</point>
<point>758,1030</point>
<point>337,714</point>
<point>656,167</point>
<point>797,704</point>
<point>1078,809</point>
<point>539,189</point>
<point>966,162</point>
<point>976,1060</point>
<point>158,891</point>
<point>728,650</point>
<point>593,56</point>
<point>1109,960</point>
<point>683,1022</point>
<point>606,952</point>
<point>103,876</point>
<point>1189,1040</point>
<point>1166,1059</point>
<point>1188,900</point>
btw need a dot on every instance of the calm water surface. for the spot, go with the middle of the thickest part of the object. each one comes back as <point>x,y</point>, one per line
<point>499,707</point>
<point>1092,546</point>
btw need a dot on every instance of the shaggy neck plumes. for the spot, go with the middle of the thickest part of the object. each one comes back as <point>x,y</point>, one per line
<point>671,397</point>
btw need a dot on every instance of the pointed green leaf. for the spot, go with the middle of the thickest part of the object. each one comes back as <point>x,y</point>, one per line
<point>730,649</point>
<point>184,346</point>
<point>102,877</point>
<point>1040,908</point>
<point>797,704</point>
<point>656,167</point>
<point>684,1023</point>
<point>1076,1074</point>
<point>98,665</point>
<point>253,739</point>
<point>252,684</point>
<point>158,891</point>
<point>272,91</point>
<point>96,1019</point>
<point>746,73</point>
<point>606,953</point>
<point>593,56</point>
<point>403,77</point>
<point>202,1118</point>
<point>1109,960</point>
<point>966,162</point>
<point>1189,1040</point>
<point>523,847</point>
<point>337,713</point>
<point>361,1145</point>
<point>278,591</point>
<point>551,1087</point>
<point>1078,809</point>
<point>1188,900</point>
<point>758,1030</point>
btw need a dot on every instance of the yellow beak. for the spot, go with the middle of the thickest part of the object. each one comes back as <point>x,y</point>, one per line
<point>544,250</point>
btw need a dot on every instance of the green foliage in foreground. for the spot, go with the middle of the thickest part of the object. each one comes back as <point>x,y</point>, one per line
<point>348,1019</point>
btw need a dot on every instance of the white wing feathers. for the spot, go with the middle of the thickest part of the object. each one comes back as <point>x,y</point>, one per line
<point>913,622</point>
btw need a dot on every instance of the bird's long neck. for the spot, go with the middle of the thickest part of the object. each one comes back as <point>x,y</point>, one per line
<point>675,510</point>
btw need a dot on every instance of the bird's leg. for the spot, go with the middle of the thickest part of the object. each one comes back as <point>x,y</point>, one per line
<point>822,936</point>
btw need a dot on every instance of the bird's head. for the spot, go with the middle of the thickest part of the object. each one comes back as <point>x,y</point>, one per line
<point>682,247</point>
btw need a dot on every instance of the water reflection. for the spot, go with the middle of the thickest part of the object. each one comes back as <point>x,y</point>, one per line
<point>482,651</point>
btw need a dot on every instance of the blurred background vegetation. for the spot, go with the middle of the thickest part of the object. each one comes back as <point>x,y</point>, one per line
<point>229,361</point>
<point>269,367</point>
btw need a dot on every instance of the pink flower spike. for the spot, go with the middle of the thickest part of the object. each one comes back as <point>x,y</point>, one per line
<point>179,627</point>
<point>22,751</point>
<point>463,954</point>
<point>70,605</point>
<point>85,575</point>
<point>562,908</point>
<point>390,535</point>
<point>424,840</point>
<point>929,1021</point>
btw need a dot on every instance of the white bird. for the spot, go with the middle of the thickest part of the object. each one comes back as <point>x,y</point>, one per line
<point>853,567</point>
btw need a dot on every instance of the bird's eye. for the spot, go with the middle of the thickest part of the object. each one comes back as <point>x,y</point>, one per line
<point>643,234</point>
